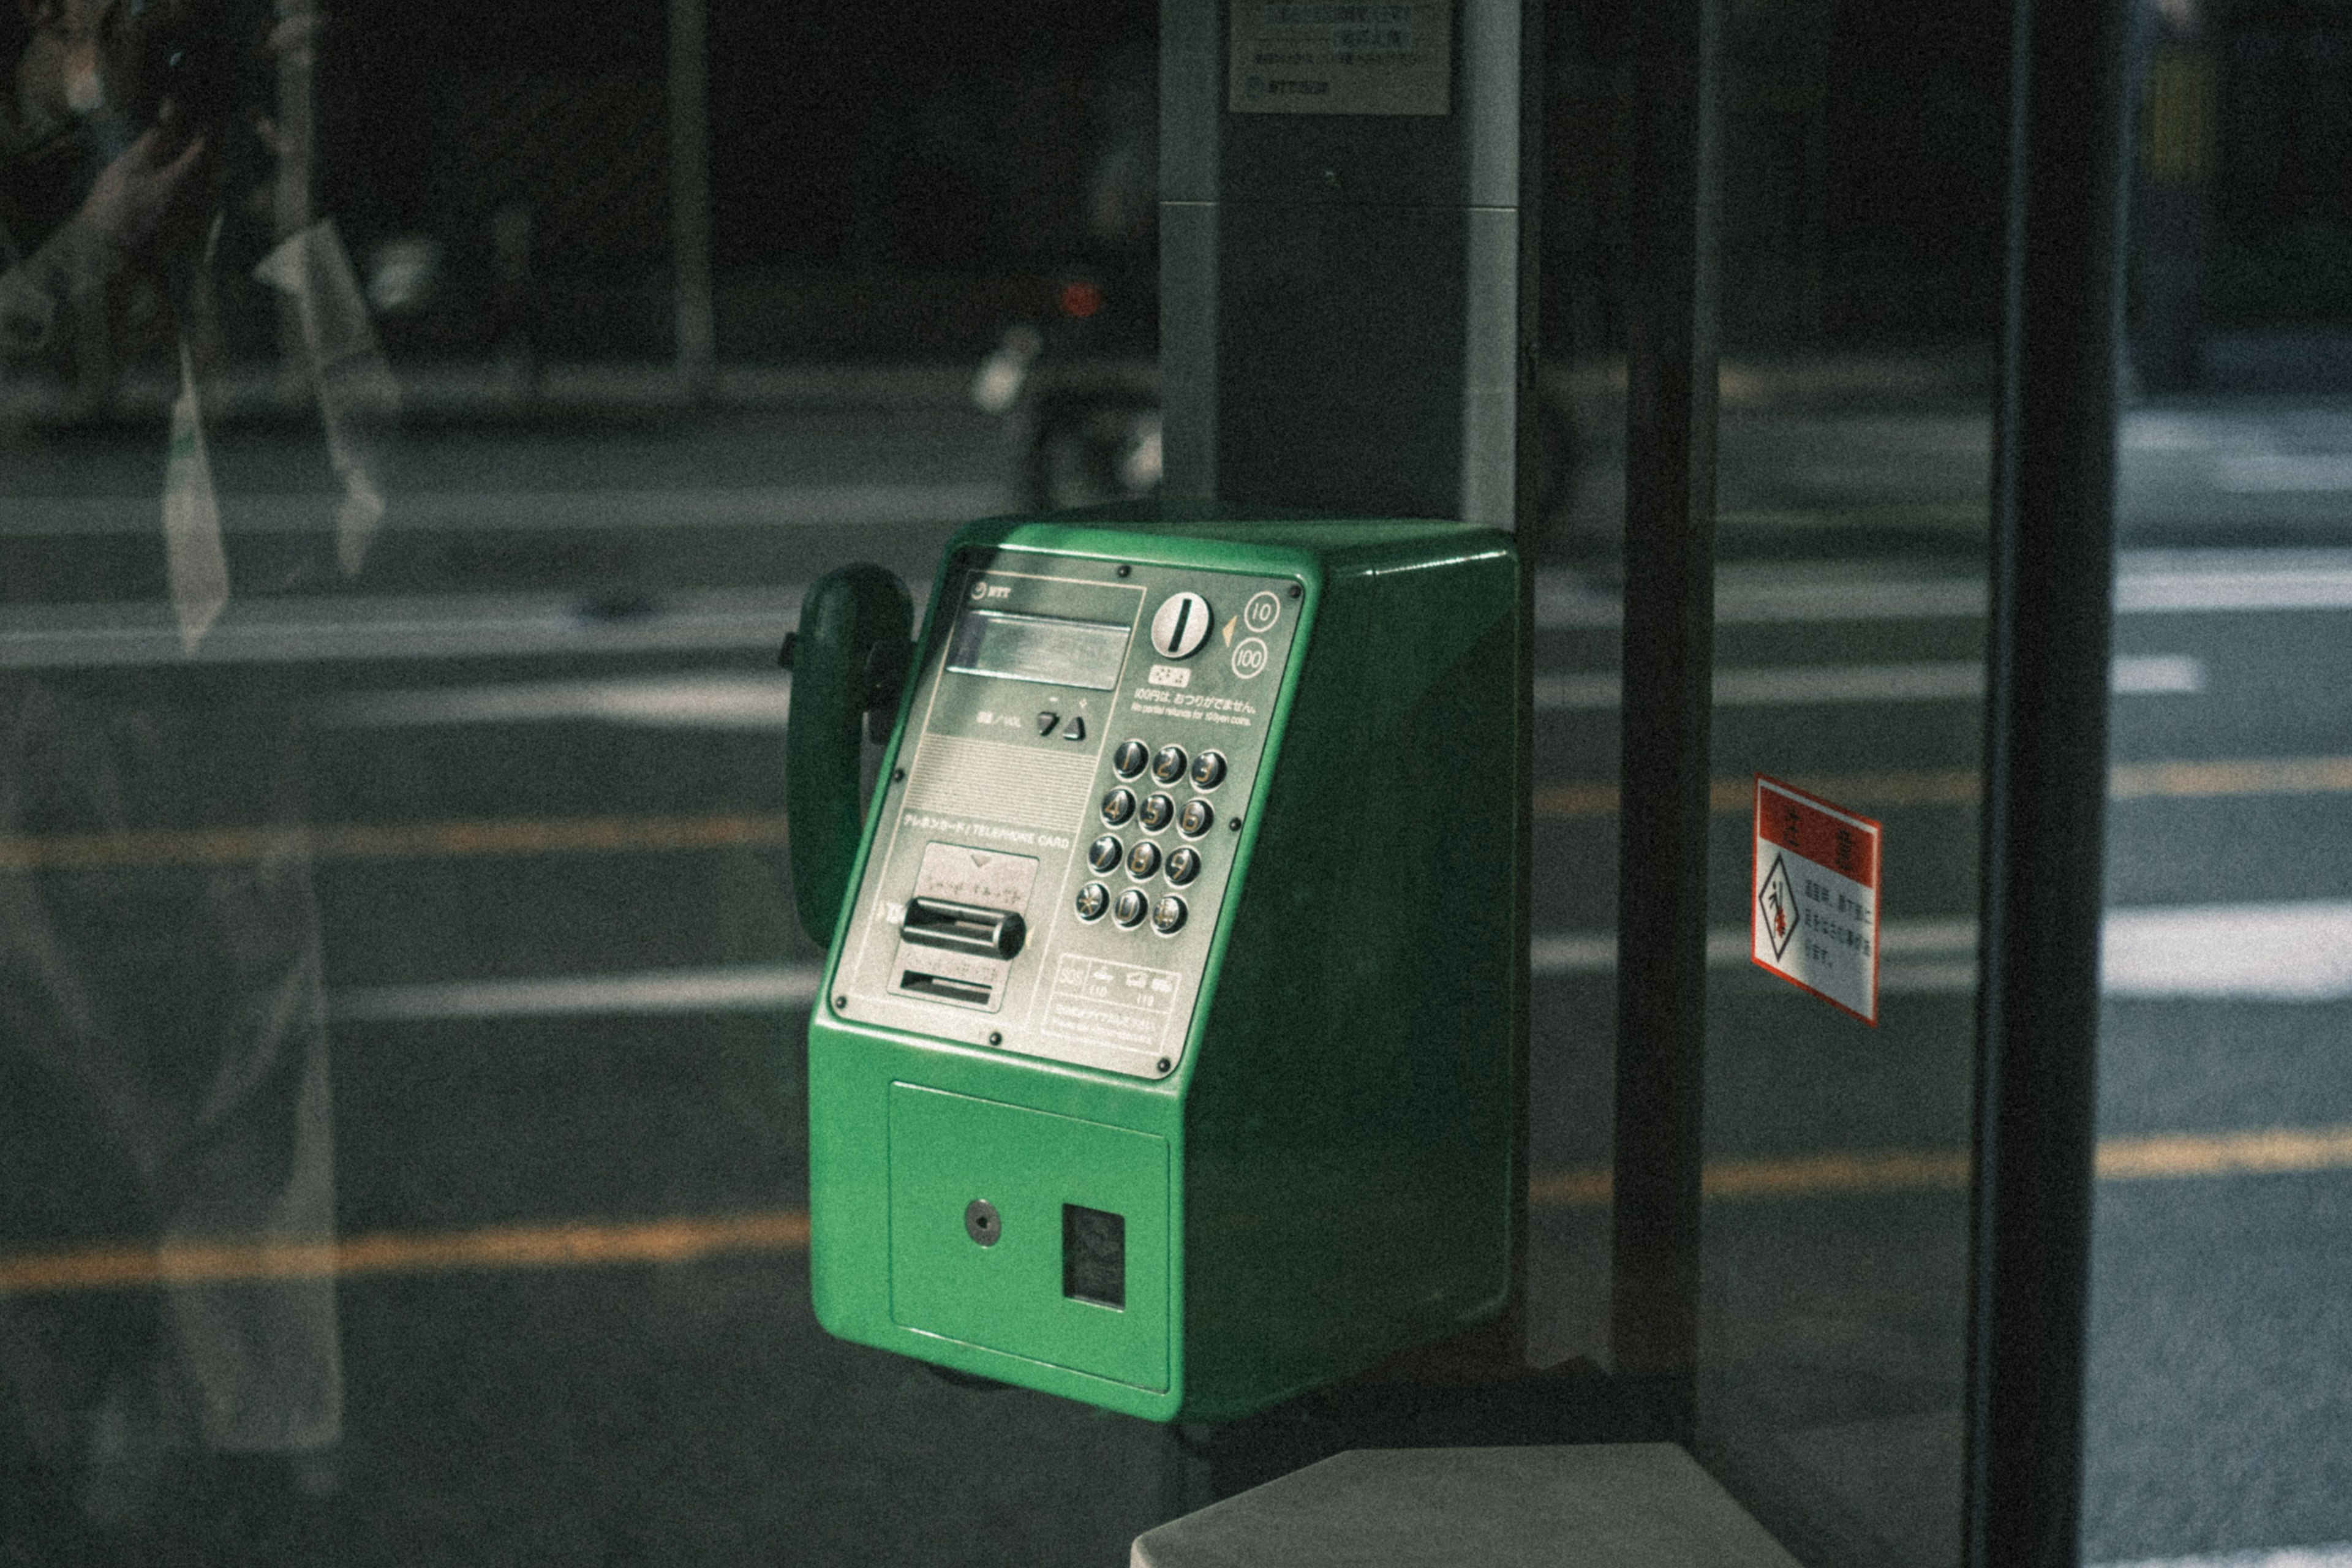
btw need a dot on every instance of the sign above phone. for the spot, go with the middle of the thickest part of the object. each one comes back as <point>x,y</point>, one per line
<point>1341,56</point>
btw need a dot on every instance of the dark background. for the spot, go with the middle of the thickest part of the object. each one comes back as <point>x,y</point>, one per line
<point>944,148</point>
<point>947,149</point>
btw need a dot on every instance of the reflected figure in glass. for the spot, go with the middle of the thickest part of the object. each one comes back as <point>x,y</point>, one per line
<point>163,1053</point>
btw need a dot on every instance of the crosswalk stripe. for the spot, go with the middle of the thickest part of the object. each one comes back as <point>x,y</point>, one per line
<point>2338,1555</point>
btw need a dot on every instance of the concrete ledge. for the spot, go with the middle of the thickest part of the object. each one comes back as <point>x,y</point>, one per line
<point>1611,1505</point>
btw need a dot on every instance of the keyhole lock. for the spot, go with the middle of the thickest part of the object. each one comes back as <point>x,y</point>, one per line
<point>981,1223</point>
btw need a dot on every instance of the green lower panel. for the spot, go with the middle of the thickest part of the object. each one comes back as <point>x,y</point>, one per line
<point>1047,1179</point>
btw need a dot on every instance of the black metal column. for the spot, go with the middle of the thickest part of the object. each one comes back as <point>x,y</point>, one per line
<point>1346,297</point>
<point>2045,782</point>
<point>1668,656</point>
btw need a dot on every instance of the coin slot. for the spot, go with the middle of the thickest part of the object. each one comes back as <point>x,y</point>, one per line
<point>1094,1255</point>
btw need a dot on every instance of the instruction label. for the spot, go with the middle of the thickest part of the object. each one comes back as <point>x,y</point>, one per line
<point>1103,1002</point>
<point>1341,56</point>
<point>1815,916</point>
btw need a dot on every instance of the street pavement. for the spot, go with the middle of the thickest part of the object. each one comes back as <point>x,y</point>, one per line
<point>540,748</point>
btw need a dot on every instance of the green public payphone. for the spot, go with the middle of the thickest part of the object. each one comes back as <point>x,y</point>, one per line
<point>1164,1057</point>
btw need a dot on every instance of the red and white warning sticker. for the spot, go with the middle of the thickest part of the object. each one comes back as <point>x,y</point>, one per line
<point>1815,913</point>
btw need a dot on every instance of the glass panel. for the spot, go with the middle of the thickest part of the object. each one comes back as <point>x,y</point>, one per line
<point>401,1134</point>
<point>2216,1354</point>
<point>1862,269</point>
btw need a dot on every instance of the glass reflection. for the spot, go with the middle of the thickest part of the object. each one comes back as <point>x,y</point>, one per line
<point>166,1019</point>
<point>1861,276</point>
<point>401,1148</point>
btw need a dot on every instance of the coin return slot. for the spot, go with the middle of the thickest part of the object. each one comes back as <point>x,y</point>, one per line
<point>963,927</point>
<point>1094,1255</point>
<point>946,988</point>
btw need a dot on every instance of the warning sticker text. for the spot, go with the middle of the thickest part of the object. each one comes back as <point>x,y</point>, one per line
<point>1814,914</point>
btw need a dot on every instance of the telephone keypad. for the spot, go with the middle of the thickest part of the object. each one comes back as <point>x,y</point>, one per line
<point>1144,859</point>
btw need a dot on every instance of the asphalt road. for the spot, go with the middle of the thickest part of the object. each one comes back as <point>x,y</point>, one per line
<point>538,744</point>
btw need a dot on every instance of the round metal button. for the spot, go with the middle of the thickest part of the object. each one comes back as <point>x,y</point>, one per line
<point>1118,806</point>
<point>1167,915</point>
<point>1198,819</point>
<point>1129,760</point>
<point>1104,853</point>
<point>1208,770</point>
<point>1183,865</point>
<point>1168,767</point>
<point>1128,910</point>
<point>1143,859</point>
<point>1159,811</point>
<point>1093,900</point>
<point>1181,626</point>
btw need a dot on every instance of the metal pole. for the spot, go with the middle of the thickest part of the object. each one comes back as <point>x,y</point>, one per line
<point>1668,657</point>
<point>2045,783</point>
<point>689,194</point>
<point>1342,273</point>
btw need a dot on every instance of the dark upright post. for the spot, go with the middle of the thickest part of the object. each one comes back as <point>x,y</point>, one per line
<point>2045,784</point>
<point>1343,258</point>
<point>1668,652</point>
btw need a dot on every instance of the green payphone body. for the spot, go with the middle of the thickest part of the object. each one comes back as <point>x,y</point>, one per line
<point>1164,1057</point>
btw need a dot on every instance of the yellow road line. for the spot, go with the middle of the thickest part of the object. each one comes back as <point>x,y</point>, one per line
<point>388,841</point>
<point>1809,1176</point>
<point>1962,786</point>
<point>2141,1157</point>
<point>1819,1176</point>
<point>1952,787</point>
<point>599,835</point>
<point>566,1245</point>
<point>2163,1156</point>
<point>2262,1150</point>
<point>2254,776</point>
